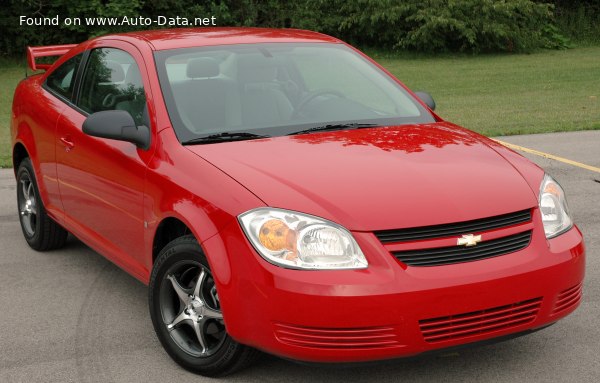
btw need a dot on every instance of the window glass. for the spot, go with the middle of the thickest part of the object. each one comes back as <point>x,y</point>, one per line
<point>277,89</point>
<point>112,81</point>
<point>335,70</point>
<point>62,80</point>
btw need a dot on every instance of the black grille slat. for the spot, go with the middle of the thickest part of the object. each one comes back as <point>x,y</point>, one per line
<point>438,233</point>
<point>459,254</point>
<point>479,252</point>
<point>469,258</point>
<point>447,230</point>
<point>471,228</point>
<point>457,250</point>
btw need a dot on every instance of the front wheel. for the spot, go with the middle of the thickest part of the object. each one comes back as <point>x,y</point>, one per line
<point>186,313</point>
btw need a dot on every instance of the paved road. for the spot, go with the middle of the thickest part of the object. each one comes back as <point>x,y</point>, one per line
<point>72,316</point>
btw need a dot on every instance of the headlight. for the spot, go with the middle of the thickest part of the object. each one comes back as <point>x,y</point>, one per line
<point>301,241</point>
<point>553,205</point>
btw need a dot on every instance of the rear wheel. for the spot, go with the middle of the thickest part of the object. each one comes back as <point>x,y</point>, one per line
<point>186,313</point>
<point>41,232</point>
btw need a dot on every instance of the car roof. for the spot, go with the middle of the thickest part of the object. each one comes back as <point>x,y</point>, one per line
<point>197,37</point>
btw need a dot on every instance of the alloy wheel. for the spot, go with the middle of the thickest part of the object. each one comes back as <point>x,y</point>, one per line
<point>190,309</point>
<point>27,204</point>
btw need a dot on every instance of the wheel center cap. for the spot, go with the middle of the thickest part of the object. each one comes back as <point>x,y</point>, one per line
<point>196,305</point>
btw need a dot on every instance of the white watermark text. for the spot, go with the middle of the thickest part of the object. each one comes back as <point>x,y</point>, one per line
<point>159,21</point>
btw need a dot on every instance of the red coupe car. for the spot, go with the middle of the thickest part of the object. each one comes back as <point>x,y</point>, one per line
<point>280,191</point>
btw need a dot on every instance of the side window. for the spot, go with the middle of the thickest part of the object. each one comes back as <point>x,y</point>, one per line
<point>62,80</point>
<point>112,81</point>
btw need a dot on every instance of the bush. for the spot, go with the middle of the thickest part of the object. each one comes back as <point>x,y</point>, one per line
<point>449,25</point>
<point>483,25</point>
<point>580,21</point>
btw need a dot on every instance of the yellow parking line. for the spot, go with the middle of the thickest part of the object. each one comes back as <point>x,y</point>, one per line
<point>550,156</point>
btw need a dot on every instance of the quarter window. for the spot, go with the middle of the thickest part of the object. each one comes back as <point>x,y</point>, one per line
<point>112,81</point>
<point>62,80</point>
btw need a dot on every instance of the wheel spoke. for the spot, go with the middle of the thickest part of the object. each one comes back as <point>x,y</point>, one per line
<point>207,312</point>
<point>181,292</point>
<point>199,283</point>
<point>24,189</point>
<point>183,316</point>
<point>198,329</point>
<point>214,296</point>
<point>32,218</point>
<point>30,191</point>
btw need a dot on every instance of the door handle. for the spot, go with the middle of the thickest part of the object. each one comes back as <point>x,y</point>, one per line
<point>66,141</point>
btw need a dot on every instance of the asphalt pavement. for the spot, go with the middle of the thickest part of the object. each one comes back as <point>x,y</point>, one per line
<point>72,316</point>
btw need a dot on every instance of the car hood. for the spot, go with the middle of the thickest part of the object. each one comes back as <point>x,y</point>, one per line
<point>378,178</point>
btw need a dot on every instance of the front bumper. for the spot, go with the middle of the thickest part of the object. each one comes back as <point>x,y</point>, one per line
<point>390,310</point>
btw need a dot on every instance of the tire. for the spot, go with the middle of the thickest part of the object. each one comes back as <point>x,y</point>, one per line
<point>181,308</point>
<point>40,231</point>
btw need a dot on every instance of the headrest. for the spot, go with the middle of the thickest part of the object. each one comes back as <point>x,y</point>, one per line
<point>202,67</point>
<point>256,68</point>
<point>116,72</point>
<point>133,76</point>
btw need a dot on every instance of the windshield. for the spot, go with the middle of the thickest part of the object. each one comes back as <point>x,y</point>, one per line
<point>264,90</point>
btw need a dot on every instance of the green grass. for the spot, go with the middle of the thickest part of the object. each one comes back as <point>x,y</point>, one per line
<point>548,91</point>
<point>10,75</point>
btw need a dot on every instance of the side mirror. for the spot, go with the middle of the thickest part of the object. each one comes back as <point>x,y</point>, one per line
<point>117,125</point>
<point>427,99</point>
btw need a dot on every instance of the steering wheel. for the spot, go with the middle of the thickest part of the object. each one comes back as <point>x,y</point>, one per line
<point>109,100</point>
<point>314,94</point>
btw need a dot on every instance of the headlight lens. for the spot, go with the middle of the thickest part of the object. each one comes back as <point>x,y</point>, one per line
<point>301,241</point>
<point>553,205</point>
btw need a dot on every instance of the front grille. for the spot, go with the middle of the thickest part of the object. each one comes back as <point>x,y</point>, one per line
<point>336,338</point>
<point>479,322</point>
<point>568,299</point>
<point>459,254</point>
<point>452,229</point>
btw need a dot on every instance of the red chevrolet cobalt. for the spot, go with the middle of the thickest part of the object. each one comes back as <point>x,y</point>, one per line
<point>280,191</point>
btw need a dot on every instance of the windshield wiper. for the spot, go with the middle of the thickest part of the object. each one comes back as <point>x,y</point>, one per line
<point>223,137</point>
<point>327,127</point>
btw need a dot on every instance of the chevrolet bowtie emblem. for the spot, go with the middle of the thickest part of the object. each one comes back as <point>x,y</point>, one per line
<point>469,240</point>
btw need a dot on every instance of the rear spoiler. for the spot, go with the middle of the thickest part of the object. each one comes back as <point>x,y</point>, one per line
<point>49,50</point>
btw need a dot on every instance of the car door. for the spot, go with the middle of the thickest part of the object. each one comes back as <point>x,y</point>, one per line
<point>101,181</point>
<point>44,112</point>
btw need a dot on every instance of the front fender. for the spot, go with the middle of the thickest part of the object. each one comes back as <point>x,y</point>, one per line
<point>184,186</point>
